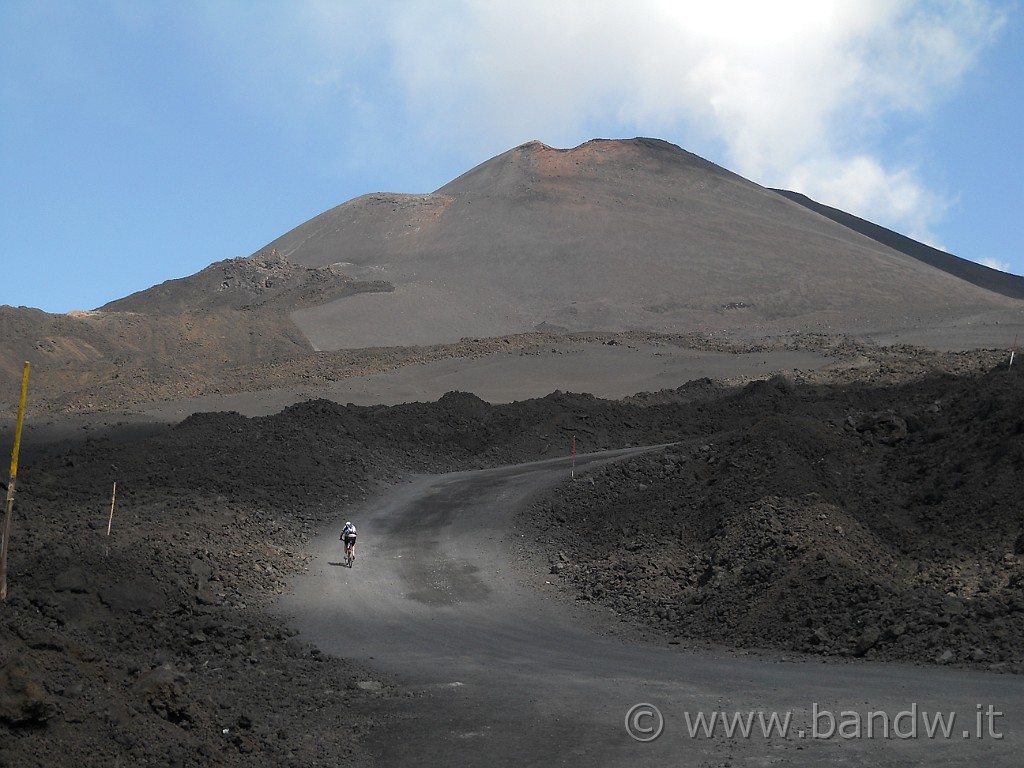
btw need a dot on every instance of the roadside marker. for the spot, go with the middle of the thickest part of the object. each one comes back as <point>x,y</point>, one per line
<point>6,536</point>
<point>113,496</point>
<point>1013,351</point>
<point>573,473</point>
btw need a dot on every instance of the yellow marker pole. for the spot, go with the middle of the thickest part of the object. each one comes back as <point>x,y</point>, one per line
<point>10,486</point>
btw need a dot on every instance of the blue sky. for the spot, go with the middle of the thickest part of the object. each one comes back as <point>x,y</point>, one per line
<point>143,141</point>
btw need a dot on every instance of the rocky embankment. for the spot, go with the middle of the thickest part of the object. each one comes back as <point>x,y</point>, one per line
<point>866,521</point>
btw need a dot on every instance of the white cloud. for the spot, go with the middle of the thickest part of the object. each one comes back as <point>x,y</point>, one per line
<point>791,93</point>
<point>861,185</point>
<point>794,93</point>
<point>1002,266</point>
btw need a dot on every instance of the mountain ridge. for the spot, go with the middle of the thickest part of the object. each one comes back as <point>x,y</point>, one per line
<point>633,236</point>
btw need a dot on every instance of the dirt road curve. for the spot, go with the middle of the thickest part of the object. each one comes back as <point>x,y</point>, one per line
<point>501,673</point>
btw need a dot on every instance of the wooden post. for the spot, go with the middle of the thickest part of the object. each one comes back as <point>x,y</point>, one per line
<point>9,510</point>
<point>113,495</point>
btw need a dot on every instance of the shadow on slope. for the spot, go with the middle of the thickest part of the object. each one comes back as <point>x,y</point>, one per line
<point>978,274</point>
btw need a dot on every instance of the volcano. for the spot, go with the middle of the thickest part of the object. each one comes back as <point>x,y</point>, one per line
<point>615,235</point>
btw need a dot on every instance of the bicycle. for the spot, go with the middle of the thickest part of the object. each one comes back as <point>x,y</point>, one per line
<point>350,551</point>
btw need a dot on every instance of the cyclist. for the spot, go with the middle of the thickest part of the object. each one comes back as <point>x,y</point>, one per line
<point>348,535</point>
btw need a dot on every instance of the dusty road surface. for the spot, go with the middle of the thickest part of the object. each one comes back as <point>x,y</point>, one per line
<point>501,671</point>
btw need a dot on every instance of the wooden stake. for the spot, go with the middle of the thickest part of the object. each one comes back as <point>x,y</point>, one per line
<point>9,510</point>
<point>113,496</point>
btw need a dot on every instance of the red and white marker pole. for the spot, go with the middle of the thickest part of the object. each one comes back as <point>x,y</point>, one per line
<point>1013,352</point>
<point>573,473</point>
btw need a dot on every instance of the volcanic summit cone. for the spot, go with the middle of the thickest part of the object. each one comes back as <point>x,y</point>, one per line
<point>612,235</point>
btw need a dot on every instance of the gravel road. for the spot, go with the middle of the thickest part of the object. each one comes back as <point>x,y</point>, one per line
<point>443,600</point>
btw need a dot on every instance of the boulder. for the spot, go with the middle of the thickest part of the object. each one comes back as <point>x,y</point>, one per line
<point>136,596</point>
<point>74,579</point>
<point>23,699</point>
<point>867,640</point>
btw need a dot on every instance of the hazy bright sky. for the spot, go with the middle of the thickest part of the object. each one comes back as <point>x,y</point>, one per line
<point>142,141</point>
